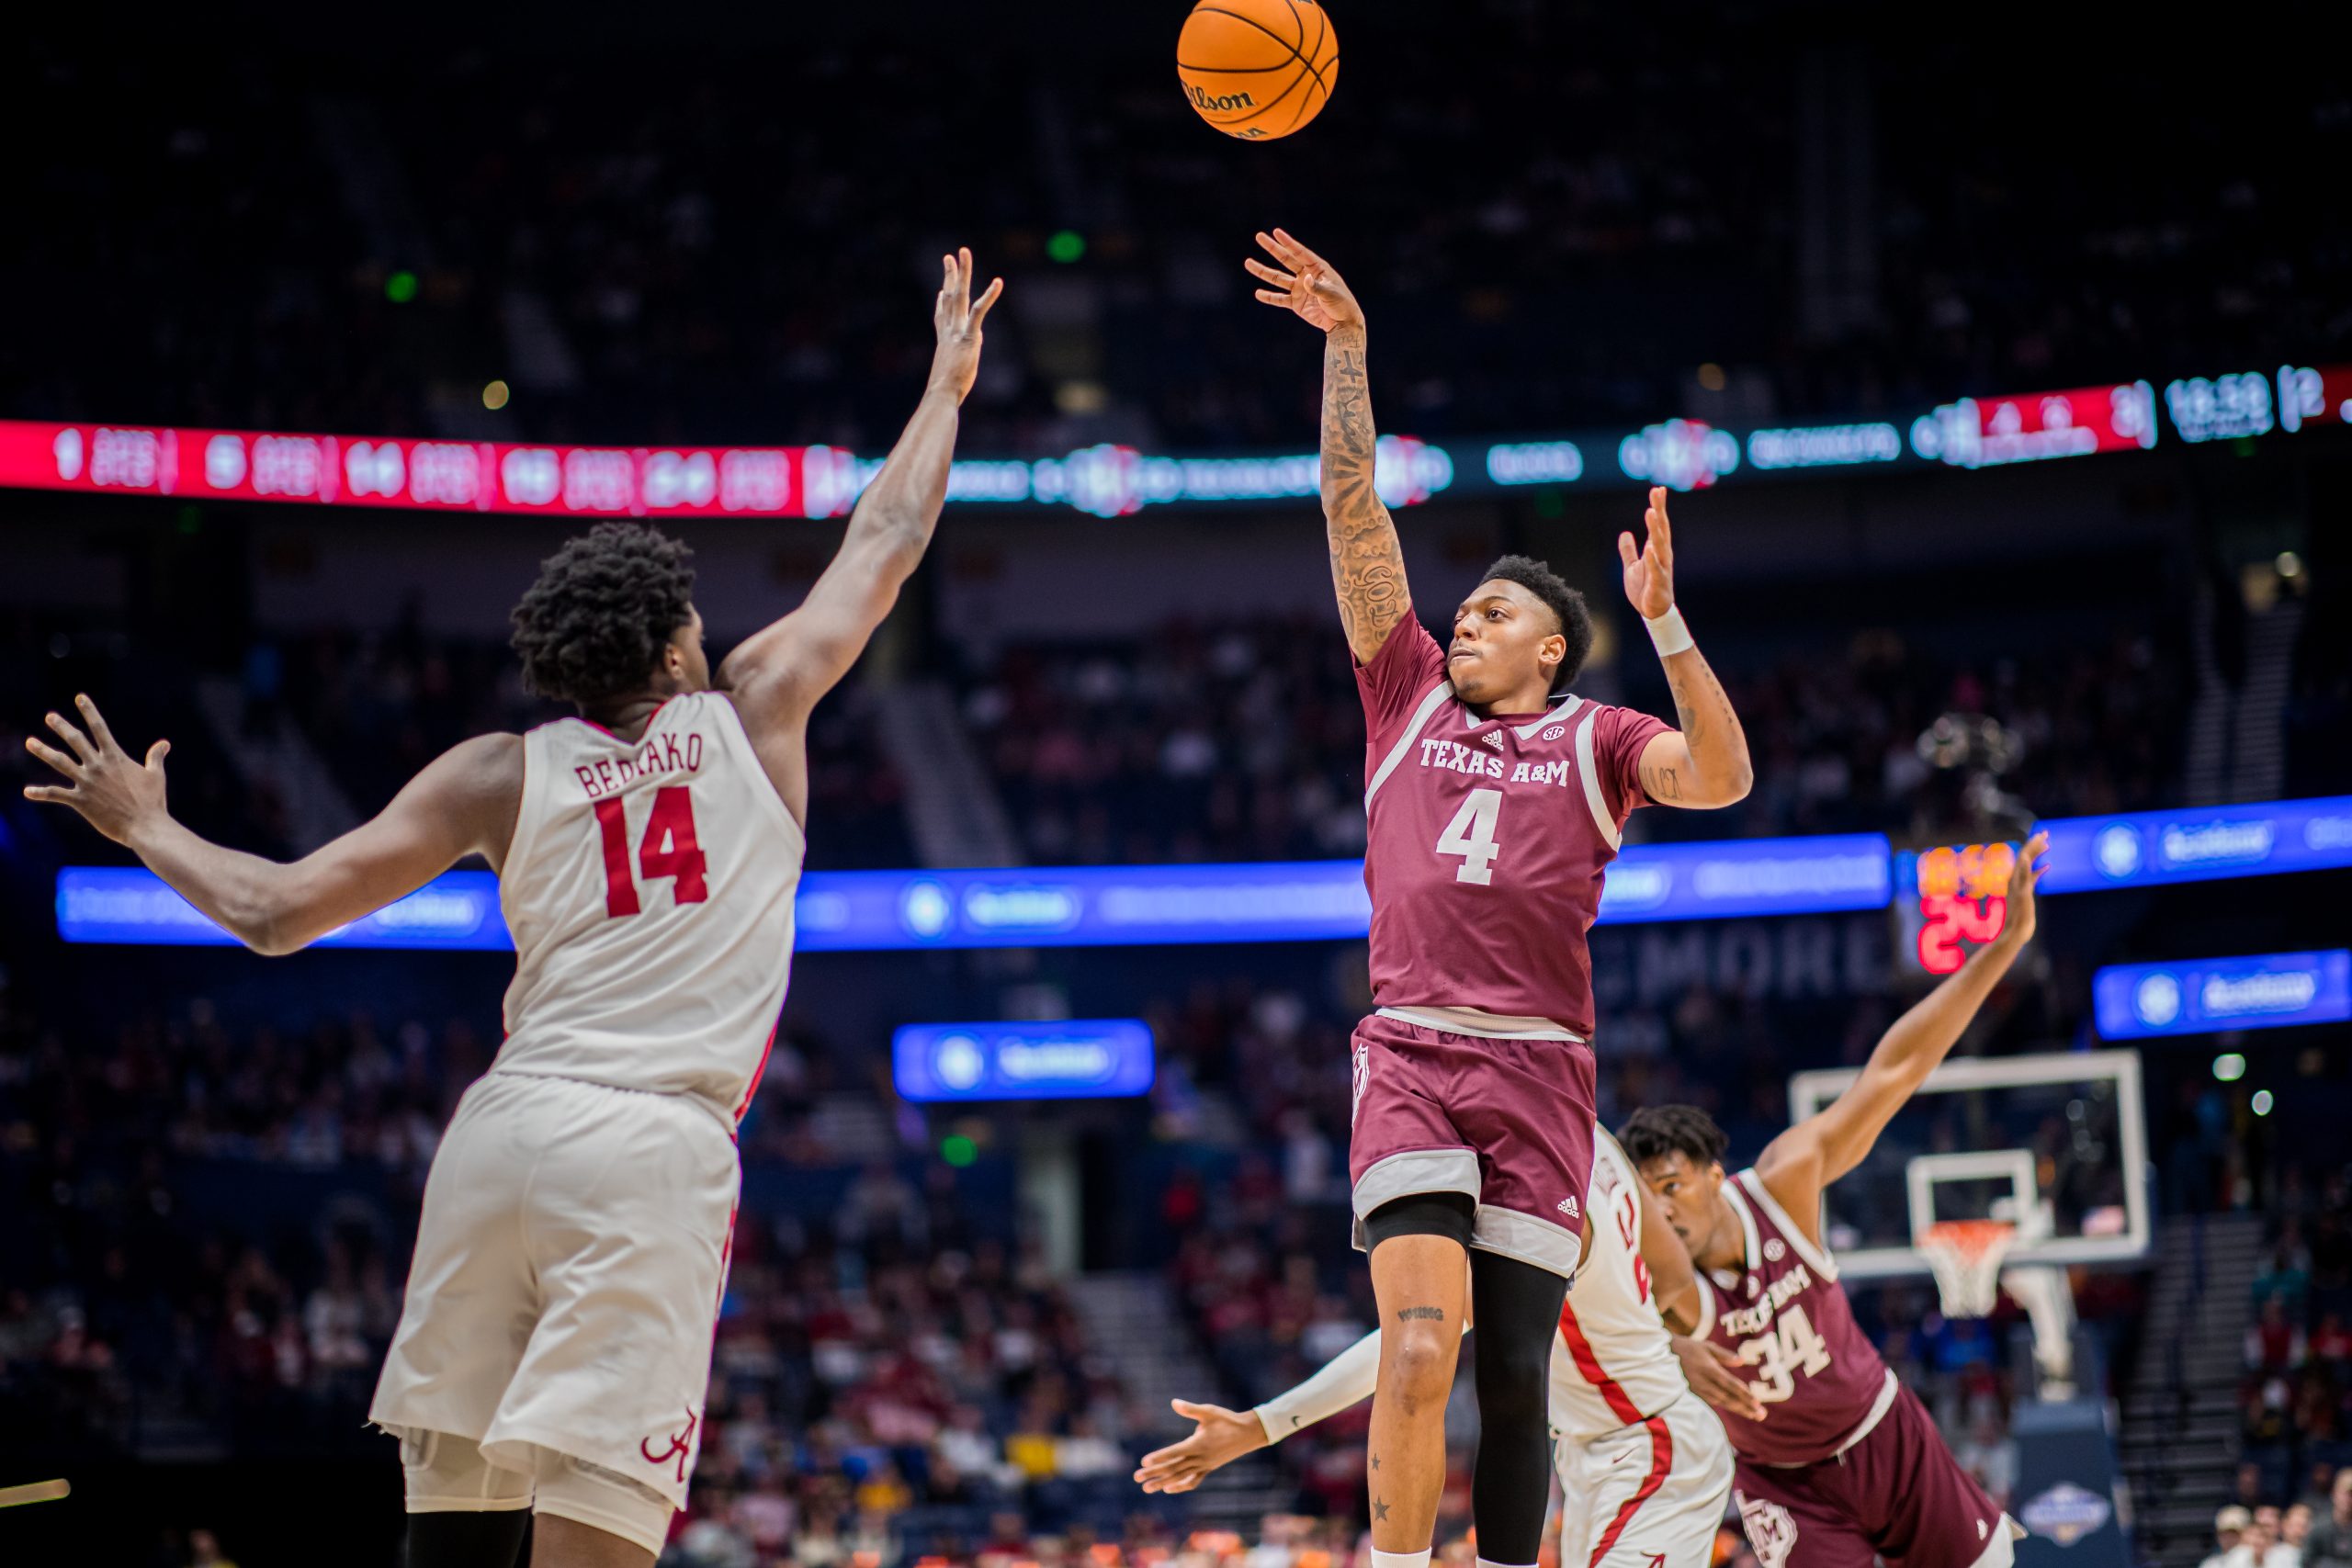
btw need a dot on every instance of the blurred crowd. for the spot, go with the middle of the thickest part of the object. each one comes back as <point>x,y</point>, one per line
<point>2295,1434</point>
<point>1557,214</point>
<point>1244,740</point>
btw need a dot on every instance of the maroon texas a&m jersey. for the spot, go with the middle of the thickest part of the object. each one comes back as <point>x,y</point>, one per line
<point>1486,838</point>
<point>1787,1319</point>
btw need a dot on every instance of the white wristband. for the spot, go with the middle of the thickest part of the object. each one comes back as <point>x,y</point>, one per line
<point>1669,633</point>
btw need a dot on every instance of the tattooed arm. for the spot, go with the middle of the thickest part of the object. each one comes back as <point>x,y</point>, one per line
<point>1367,564</point>
<point>1705,762</point>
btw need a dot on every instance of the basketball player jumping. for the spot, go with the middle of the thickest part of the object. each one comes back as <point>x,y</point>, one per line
<point>555,1344</point>
<point>1644,1469</point>
<point>1495,801</point>
<point>1848,1468</point>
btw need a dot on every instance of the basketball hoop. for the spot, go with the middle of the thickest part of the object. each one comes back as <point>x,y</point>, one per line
<point>1966,1256</point>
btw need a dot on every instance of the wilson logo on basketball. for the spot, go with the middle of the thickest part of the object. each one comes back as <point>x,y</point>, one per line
<point>1213,103</point>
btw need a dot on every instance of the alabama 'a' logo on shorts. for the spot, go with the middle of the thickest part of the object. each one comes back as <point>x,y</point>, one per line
<point>681,1445</point>
<point>1362,1075</point>
<point>1771,1533</point>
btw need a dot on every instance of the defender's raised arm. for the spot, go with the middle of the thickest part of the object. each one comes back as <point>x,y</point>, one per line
<point>1705,762</point>
<point>777,675</point>
<point>462,803</point>
<point>1824,1147</point>
<point>1368,565</point>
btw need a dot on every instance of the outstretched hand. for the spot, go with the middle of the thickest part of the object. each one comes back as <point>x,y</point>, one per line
<point>114,794</point>
<point>1305,283</point>
<point>957,320</point>
<point>1219,1437</point>
<point>2019,921</point>
<point>1649,570</point>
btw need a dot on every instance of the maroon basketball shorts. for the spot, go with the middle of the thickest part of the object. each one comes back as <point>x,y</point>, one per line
<point>1897,1494</point>
<point>1506,1120</point>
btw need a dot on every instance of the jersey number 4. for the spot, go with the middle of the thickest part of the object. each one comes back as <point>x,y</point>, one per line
<point>1471,835</point>
<point>668,849</point>
<point>1791,1347</point>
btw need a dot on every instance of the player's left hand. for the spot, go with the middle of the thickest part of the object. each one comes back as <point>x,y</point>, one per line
<point>1649,570</point>
<point>2018,923</point>
<point>116,794</point>
<point>1712,1373</point>
<point>1219,1437</point>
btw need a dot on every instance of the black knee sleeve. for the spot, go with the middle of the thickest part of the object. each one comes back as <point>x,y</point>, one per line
<point>1421,1213</point>
<point>460,1540</point>
<point>1517,1308</point>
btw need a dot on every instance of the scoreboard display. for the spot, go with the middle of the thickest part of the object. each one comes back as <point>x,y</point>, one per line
<point>1952,900</point>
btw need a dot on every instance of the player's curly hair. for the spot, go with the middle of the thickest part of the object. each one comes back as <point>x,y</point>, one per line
<point>592,627</point>
<point>1657,1130</point>
<point>1567,605</point>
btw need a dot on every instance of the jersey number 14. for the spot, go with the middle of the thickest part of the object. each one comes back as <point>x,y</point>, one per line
<point>668,849</point>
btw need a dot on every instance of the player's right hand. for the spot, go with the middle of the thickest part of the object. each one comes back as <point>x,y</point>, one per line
<point>116,792</point>
<point>1712,1373</point>
<point>1304,283</point>
<point>957,320</point>
<point>2019,921</point>
<point>1219,1437</point>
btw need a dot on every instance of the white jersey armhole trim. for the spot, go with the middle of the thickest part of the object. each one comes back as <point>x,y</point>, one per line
<point>1746,1224</point>
<point>1527,731</point>
<point>529,811</point>
<point>1706,1323</point>
<point>1600,808</point>
<point>1430,700</point>
<point>1823,1264</point>
<point>765,788</point>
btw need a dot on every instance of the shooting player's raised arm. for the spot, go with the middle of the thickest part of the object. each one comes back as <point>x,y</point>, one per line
<point>1367,563</point>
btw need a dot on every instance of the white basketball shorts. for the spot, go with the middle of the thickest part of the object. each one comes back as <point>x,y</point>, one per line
<point>1649,1496</point>
<point>569,1264</point>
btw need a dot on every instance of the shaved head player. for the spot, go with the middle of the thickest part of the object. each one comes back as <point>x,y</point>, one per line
<point>1494,800</point>
<point>1843,1467</point>
<point>555,1344</point>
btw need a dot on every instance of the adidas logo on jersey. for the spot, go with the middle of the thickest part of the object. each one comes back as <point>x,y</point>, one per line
<point>1774,1249</point>
<point>1493,737</point>
<point>1568,1207</point>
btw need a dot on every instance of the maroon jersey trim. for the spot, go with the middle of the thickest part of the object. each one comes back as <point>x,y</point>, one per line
<point>1819,1257</point>
<point>1432,700</point>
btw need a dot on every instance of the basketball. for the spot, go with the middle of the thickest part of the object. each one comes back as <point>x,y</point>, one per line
<point>1258,69</point>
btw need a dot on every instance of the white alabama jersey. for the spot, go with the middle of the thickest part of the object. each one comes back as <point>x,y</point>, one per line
<point>650,889</point>
<point>1613,1365</point>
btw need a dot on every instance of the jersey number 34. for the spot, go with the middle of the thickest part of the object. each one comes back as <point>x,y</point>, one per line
<point>1780,1353</point>
<point>668,849</point>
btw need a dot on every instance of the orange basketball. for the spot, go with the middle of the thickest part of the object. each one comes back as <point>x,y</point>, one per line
<point>1258,69</point>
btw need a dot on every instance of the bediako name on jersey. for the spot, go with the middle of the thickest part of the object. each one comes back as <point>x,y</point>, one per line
<point>1757,1318</point>
<point>1453,757</point>
<point>657,754</point>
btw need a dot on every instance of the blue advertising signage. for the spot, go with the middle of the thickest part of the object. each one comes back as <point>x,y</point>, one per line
<point>2147,848</point>
<point>865,911</point>
<point>2201,996</point>
<point>1087,1058</point>
<point>457,910</point>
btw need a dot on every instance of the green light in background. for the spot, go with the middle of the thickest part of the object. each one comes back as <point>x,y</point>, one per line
<point>2262,1102</point>
<point>2229,1066</point>
<point>1066,246</point>
<point>401,288</point>
<point>958,1150</point>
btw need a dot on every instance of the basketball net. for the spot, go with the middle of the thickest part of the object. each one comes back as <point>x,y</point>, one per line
<point>1967,1254</point>
<point>1966,1257</point>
